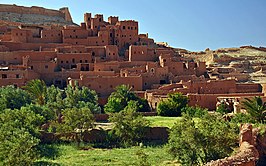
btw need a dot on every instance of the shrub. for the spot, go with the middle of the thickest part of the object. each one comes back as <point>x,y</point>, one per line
<point>242,118</point>
<point>173,105</point>
<point>197,111</point>
<point>212,138</point>
<point>119,100</point>
<point>129,126</point>
<point>223,109</point>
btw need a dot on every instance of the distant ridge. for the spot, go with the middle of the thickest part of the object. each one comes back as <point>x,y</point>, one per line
<point>35,15</point>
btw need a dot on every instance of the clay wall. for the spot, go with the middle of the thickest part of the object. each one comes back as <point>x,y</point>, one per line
<point>126,34</point>
<point>248,88</point>
<point>113,20</point>
<point>97,51</point>
<point>111,52</point>
<point>212,87</point>
<point>76,33</point>
<point>96,83</point>
<point>209,100</point>
<point>108,66</point>
<point>43,67</point>
<point>70,60</point>
<point>72,49</point>
<point>18,46</point>
<point>16,77</point>
<point>19,35</point>
<point>139,53</point>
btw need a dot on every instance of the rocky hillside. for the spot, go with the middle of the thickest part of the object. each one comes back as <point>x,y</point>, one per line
<point>34,15</point>
<point>247,60</point>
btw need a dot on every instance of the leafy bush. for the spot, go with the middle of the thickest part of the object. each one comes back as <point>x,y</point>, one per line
<point>212,138</point>
<point>173,105</point>
<point>81,98</point>
<point>119,99</point>
<point>242,118</point>
<point>256,108</point>
<point>129,126</point>
<point>223,109</point>
<point>19,131</point>
<point>43,111</point>
<point>13,98</point>
<point>196,112</point>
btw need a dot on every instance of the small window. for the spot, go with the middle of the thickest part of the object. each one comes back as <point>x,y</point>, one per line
<point>86,61</point>
<point>124,27</point>
<point>4,76</point>
<point>111,86</point>
<point>80,61</point>
<point>128,28</point>
<point>17,75</point>
<point>46,66</point>
<point>74,30</point>
<point>66,61</point>
<point>100,19</point>
<point>62,61</point>
<point>73,60</point>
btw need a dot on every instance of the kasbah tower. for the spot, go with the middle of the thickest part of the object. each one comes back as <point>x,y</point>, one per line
<point>39,43</point>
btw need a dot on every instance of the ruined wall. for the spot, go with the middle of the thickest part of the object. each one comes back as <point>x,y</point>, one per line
<point>247,154</point>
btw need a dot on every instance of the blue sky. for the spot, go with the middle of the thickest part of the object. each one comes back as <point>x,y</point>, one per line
<point>191,24</point>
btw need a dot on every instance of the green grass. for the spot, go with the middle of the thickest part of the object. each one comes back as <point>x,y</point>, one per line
<point>70,155</point>
<point>160,121</point>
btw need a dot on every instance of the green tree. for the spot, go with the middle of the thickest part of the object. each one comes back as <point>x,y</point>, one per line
<point>210,139</point>
<point>19,131</point>
<point>197,111</point>
<point>37,90</point>
<point>256,108</point>
<point>77,120</point>
<point>223,109</point>
<point>13,98</point>
<point>173,105</point>
<point>129,125</point>
<point>54,100</point>
<point>119,99</point>
<point>81,98</point>
<point>43,111</point>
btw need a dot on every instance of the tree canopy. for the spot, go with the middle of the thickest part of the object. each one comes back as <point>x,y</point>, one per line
<point>119,99</point>
<point>256,108</point>
<point>173,105</point>
<point>13,98</point>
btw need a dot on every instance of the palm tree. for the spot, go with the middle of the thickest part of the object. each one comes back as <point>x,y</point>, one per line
<point>37,89</point>
<point>256,108</point>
